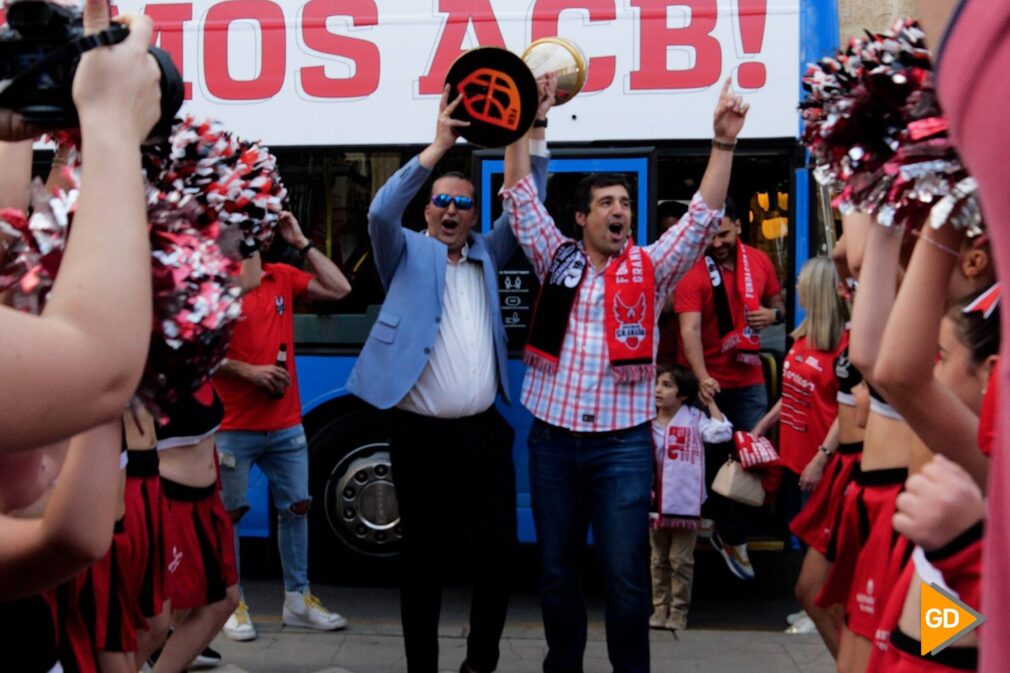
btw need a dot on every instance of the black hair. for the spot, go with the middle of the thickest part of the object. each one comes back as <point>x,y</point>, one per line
<point>457,175</point>
<point>979,334</point>
<point>731,209</point>
<point>674,209</point>
<point>584,192</point>
<point>687,382</point>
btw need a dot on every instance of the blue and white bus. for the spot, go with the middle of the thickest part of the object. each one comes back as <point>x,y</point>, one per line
<point>346,91</point>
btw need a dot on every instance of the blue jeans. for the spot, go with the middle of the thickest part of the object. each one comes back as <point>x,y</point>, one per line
<point>603,479</point>
<point>743,407</point>
<point>283,456</point>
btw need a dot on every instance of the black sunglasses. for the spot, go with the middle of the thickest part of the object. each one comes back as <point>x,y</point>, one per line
<point>443,201</point>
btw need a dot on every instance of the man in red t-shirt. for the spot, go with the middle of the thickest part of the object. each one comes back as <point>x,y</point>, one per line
<point>723,303</point>
<point>263,420</point>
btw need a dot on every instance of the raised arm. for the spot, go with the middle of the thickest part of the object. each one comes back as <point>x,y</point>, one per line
<point>679,247</point>
<point>904,368</point>
<point>501,239</point>
<point>76,528</point>
<point>79,363</point>
<point>532,225</point>
<point>329,283</point>
<point>878,281</point>
<point>730,114</point>
<point>385,214</point>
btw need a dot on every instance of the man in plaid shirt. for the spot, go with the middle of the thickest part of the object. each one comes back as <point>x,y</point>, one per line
<point>590,444</point>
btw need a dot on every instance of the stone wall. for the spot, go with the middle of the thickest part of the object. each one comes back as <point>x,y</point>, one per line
<point>875,15</point>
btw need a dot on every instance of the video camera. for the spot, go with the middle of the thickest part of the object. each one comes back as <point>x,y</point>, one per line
<point>39,51</point>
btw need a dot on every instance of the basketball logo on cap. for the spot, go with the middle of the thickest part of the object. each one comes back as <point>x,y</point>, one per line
<point>493,98</point>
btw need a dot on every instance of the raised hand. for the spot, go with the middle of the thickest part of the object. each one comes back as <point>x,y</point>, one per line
<point>730,114</point>
<point>547,86</point>
<point>447,128</point>
<point>291,231</point>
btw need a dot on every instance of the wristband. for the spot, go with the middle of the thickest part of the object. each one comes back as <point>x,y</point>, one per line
<point>304,251</point>
<point>725,147</point>
<point>539,123</point>
<point>823,449</point>
<point>779,316</point>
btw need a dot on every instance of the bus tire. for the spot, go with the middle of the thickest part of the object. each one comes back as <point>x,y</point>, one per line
<point>354,522</point>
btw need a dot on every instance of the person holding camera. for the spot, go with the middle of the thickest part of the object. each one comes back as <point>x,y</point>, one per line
<point>98,318</point>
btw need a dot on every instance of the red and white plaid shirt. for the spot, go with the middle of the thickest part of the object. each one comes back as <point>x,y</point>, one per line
<point>583,395</point>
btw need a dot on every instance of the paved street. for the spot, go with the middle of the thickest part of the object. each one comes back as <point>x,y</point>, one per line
<point>735,626</point>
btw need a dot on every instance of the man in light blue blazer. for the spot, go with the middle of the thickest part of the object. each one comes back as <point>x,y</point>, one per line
<point>437,357</point>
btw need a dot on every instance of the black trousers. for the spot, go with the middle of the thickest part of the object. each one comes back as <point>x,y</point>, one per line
<point>455,485</point>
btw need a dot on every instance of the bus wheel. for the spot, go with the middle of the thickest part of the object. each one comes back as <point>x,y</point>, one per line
<point>354,509</point>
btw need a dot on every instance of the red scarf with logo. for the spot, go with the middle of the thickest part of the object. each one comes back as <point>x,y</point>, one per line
<point>736,334</point>
<point>629,308</point>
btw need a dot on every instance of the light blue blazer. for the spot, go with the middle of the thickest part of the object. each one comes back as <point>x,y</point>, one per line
<point>412,267</point>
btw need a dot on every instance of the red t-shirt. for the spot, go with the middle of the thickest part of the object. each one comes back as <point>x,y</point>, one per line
<point>809,402</point>
<point>267,322</point>
<point>694,295</point>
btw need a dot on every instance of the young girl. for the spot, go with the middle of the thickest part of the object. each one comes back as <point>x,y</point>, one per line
<point>677,435</point>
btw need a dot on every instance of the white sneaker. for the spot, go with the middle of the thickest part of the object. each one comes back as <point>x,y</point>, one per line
<point>795,617</point>
<point>304,609</point>
<point>803,626</point>
<point>239,626</point>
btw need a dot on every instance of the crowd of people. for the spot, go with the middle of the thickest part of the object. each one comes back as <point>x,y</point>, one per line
<point>117,542</point>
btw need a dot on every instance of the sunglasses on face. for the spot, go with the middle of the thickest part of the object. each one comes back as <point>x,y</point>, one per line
<point>443,201</point>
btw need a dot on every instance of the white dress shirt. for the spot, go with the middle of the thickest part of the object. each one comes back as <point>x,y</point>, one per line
<point>460,378</point>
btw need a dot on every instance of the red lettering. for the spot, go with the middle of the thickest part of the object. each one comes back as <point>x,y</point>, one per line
<point>652,72</point>
<point>546,14</point>
<point>270,79</point>
<point>461,13</point>
<point>364,54</point>
<point>168,22</point>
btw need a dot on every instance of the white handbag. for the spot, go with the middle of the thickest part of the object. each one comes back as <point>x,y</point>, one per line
<point>736,483</point>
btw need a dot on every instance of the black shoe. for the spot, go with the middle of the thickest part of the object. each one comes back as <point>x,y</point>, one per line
<point>209,658</point>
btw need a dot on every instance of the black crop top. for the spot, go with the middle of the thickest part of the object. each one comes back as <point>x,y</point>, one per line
<point>191,420</point>
<point>848,377</point>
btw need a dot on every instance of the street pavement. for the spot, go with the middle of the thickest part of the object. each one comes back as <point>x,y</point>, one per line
<point>735,626</point>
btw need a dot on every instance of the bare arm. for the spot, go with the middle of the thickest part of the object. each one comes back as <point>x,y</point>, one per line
<point>768,420</point>
<point>78,364</point>
<point>904,370</point>
<point>76,527</point>
<point>15,174</point>
<point>694,352</point>
<point>329,283</point>
<point>271,378</point>
<point>251,274</point>
<point>814,469</point>
<point>730,113</point>
<point>878,282</point>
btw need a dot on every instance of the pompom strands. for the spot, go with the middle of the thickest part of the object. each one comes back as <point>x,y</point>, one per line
<point>236,181</point>
<point>877,136</point>
<point>196,297</point>
<point>197,302</point>
<point>31,248</point>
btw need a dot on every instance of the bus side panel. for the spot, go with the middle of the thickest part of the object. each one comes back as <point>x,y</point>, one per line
<point>521,420</point>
